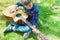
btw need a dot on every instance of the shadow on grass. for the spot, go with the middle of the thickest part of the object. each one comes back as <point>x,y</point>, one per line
<point>32,35</point>
<point>46,30</point>
<point>44,15</point>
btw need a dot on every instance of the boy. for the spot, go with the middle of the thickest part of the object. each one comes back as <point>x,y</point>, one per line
<point>32,10</point>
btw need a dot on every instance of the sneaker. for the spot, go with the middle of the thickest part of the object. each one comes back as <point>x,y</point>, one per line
<point>26,35</point>
<point>9,28</point>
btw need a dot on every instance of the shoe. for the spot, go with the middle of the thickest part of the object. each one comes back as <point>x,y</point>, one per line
<point>9,28</point>
<point>26,35</point>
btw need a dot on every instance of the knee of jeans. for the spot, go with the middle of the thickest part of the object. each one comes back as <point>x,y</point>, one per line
<point>28,28</point>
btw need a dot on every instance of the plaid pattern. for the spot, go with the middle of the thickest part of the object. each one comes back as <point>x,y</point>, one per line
<point>33,13</point>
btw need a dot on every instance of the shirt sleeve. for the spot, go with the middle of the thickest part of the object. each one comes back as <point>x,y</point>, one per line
<point>35,16</point>
<point>19,4</point>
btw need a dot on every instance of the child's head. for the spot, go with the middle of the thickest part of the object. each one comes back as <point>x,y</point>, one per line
<point>27,3</point>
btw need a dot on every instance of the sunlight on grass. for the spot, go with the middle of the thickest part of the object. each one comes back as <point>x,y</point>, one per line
<point>53,37</point>
<point>56,18</point>
<point>56,10</point>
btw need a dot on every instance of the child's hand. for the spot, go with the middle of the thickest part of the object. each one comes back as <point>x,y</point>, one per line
<point>34,29</point>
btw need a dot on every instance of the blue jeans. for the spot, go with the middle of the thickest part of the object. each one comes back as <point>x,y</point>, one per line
<point>19,28</point>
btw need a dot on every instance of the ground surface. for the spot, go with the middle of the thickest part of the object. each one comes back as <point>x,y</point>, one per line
<point>49,21</point>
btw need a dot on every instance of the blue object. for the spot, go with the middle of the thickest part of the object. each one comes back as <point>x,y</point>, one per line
<point>18,27</point>
<point>33,12</point>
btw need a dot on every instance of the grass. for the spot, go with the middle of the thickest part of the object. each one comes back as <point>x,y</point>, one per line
<point>49,22</point>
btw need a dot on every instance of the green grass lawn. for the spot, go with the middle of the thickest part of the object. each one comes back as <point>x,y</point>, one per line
<point>49,21</point>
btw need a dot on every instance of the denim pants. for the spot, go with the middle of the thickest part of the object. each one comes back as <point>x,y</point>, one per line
<point>18,27</point>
